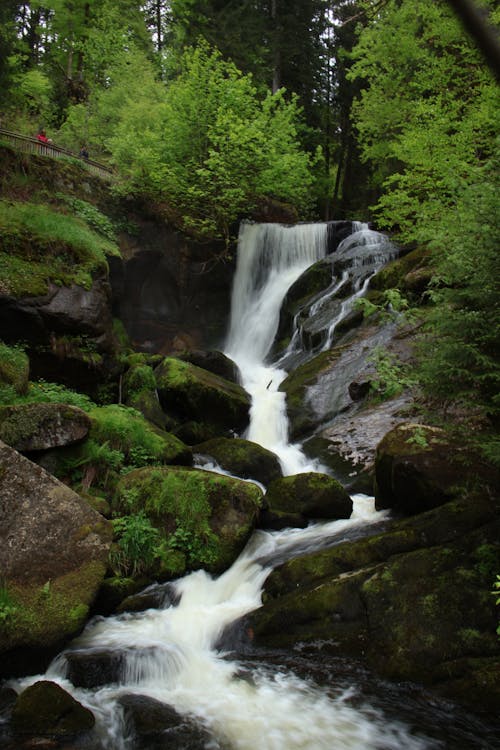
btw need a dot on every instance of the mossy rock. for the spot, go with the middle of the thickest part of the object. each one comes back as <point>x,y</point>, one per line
<point>243,458</point>
<point>311,495</point>
<point>127,431</point>
<point>417,468</point>
<point>191,394</point>
<point>205,516</point>
<point>410,273</point>
<point>413,601</point>
<point>45,708</point>
<point>313,281</point>
<point>139,392</point>
<point>35,427</point>
<point>213,361</point>
<point>14,368</point>
<point>53,554</point>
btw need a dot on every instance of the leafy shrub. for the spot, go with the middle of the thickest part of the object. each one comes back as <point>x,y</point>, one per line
<point>391,376</point>
<point>91,216</point>
<point>138,545</point>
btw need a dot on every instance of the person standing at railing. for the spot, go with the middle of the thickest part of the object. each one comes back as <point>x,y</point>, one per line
<point>84,154</point>
<point>42,137</point>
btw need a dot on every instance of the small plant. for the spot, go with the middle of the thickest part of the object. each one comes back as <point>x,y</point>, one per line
<point>391,378</point>
<point>8,607</point>
<point>496,594</point>
<point>418,438</point>
<point>138,545</point>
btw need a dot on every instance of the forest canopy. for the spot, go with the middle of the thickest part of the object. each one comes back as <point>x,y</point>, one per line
<point>381,110</point>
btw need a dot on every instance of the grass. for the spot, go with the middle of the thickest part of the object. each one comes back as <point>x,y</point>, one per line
<point>40,245</point>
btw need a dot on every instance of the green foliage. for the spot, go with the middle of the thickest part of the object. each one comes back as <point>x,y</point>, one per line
<point>41,245</point>
<point>42,392</point>
<point>138,545</point>
<point>8,606</point>
<point>418,438</point>
<point>496,594</point>
<point>212,148</point>
<point>14,368</point>
<point>391,376</point>
<point>91,216</point>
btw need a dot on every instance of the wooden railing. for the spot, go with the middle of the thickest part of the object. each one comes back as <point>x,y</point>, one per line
<point>33,146</point>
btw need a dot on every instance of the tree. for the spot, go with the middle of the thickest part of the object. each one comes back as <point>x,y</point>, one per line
<point>212,148</point>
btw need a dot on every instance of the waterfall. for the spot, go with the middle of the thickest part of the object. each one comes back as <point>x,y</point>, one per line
<point>270,258</point>
<point>171,654</point>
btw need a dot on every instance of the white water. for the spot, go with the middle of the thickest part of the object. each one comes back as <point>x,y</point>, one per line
<point>170,654</point>
<point>270,258</point>
<point>170,657</point>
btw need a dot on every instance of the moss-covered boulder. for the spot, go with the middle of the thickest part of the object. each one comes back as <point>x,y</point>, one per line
<point>243,458</point>
<point>190,393</point>
<point>53,556</point>
<point>213,361</point>
<point>410,274</point>
<point>35,427</point>
<point>413,601</point>
<point>46,709</point>
<point>310,495</point>
<point>417,468</point>
<point>203,519</point>
<point>139,392</point>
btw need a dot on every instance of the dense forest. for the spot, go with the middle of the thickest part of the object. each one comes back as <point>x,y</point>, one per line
<point>366,109</point>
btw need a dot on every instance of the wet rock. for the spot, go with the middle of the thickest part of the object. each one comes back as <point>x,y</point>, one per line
<point>242,458</point>
<point>158,726</point>
<point>310,495</point>
<point>92,669</point>
<point>358,390</point>
<point>189,393</point>
<point>417,468</point>
<point>153,597</point>
<point>46,708</point>
<point>35,427</point>
<point>413,602</point>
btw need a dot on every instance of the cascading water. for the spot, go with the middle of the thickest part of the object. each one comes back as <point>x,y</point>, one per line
<point>270,258</point>
<point>171,654</point>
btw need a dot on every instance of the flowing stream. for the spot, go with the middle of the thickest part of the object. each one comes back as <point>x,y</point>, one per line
<point>179,654</point>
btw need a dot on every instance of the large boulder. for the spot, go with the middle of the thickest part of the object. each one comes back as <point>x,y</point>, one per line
<point>310,495</point>
<point>36,427</point>
<point>417,468</point>
<point>53,555</point>
<point>414,601</point>
<point>190,393</point>
<point>243,458</point>
<point>213,361</point>
<point>46,709</point>
<point>204,519</point>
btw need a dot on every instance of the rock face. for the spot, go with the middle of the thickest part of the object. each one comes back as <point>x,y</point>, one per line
<point>68,332</point>
<point>47,709</point>
<point>242,458</point>
<point>413,602</point>
<point>35,427</point>
<point>171,292</point>
<point>53,552</point>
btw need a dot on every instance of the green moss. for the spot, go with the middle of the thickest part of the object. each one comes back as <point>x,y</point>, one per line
<point>41,245</point>
<point>43,619</point>
<point>14,367</point>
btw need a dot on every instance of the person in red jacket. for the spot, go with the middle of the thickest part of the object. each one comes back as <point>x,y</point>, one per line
<point>42,137</point>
